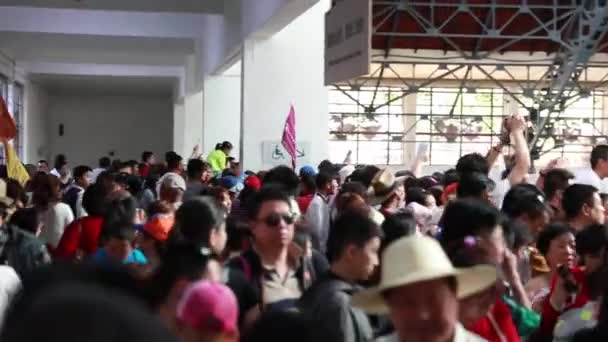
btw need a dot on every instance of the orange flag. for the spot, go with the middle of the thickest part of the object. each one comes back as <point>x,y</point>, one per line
<point>8,130</point>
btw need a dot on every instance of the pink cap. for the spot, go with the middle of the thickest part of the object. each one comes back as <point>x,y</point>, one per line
<point>209,306</point>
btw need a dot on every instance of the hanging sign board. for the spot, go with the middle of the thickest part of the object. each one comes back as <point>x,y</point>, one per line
<point>348,29</point>
<point>273,153</point>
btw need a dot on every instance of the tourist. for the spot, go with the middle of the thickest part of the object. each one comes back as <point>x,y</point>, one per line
<point>583,206</point>
<point>73,194</point>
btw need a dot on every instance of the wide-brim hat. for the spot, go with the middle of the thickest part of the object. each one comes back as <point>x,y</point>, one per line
<point>417,258</point>
<point>383,186</point>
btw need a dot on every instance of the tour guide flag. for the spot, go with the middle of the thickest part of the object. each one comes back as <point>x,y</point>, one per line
<point>8,130</point>
<point>289,136</point>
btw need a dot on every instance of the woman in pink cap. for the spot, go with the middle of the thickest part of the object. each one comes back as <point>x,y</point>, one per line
<point>208,312</point>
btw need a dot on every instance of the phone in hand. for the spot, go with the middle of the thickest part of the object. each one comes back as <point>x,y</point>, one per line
<point>565,274</point>
<point>505,132</point>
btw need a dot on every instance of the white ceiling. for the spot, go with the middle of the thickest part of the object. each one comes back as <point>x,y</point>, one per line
<point>105,85</point>
<point>95,49</point>
<point>186,6</point>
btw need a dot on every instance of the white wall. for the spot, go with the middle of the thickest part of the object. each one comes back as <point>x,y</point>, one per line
<point>286,69</point>
<point>222,112</point>
<point>36,129</point>
<point>96,125</point>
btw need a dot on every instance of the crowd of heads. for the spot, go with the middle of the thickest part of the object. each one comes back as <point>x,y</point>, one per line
<point>336,252</point>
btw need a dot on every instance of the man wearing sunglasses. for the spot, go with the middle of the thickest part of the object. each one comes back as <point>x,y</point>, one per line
<point>276,269</point>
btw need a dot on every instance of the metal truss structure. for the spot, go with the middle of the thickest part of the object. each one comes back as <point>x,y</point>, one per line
<point>472,41</point>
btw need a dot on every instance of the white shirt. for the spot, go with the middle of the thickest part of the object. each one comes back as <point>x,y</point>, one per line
<point>9,286</point>
<point>589,177</point>
<point>502,186</point>
<point>318,216</point>
<point>54,220</point>
<point>460,335</point>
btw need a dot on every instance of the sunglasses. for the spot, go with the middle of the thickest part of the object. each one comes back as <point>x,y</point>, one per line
<point>275,219</point>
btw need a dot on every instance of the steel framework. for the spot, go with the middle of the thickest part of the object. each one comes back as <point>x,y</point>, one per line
<point>475,37</point>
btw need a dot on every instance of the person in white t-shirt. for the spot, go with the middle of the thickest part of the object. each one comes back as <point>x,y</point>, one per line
<point>55,215</point>
<point>598,170</point>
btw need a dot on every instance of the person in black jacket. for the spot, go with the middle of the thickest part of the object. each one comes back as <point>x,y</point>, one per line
<point>276,268</point>
<point>354,241</point>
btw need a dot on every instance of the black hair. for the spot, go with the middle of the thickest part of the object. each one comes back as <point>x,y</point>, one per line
<point>173,160</point>
<point>15,190</point>
<point>326,166</point>
<point>119,212</point>
<point>550,233</point>
<point>354,187</point>
<point>555,180</point>
<point>104,162</point>
<point>237,232</point>
<point>226,145</point>
<point>135,184</point>
<point>182,260</point>
<point>93,199</point>
<point>524,199</point>
<point>26,219</point>
<point>405,173</point>
<point>439,177</point>
<point>351,227</point>
<point>196,219</point>
<point>121,231</point>
<point>473,184</point>
<point>397,226</point>
<point>575,197</point>
<point>437,192</point>
<point>516,234</point>
<point>472,162</point>
<point>308,181</point>
<point>450,177</point>
<point>599,152</point>
<point>284,177</point>
<point>416,194</point>
<point>121,178</point>
<point>467,217</point>
<point>60,161</point>
<point>146,156</point>
<point>427,182</point>
<point>42,161</point>
<point>266,194</point>
<point>50,309</point>
<point>592,240</point>
<point>323,178</point>
<point>365,175</point>
<point>195,168</point>
<point>81,170</point>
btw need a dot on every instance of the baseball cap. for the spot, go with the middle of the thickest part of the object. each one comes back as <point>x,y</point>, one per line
<point>231,183</point>
<point>159,226</point>
<point>174,181</point>
<point>308,170</point>
<point>253,182</point>
<point>209,306</point>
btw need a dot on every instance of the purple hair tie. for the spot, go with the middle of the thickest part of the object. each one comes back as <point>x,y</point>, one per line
<point>470,241</point>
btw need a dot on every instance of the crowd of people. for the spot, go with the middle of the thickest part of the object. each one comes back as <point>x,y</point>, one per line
<point>200,250</point>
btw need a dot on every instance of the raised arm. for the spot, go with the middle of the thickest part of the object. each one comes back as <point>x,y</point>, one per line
<point>522,155</point>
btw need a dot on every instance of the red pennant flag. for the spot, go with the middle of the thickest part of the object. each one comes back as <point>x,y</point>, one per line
<point>289,136</point>
<point>8,130</point>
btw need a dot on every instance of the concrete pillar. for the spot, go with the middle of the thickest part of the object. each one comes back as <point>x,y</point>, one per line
<point>286,69</point>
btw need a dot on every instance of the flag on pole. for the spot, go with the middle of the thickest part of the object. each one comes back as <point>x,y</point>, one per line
<point>8,130</point>
<point>289,136</point>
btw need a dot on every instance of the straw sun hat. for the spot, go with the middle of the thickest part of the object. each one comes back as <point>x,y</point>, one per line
<point>415,259</point>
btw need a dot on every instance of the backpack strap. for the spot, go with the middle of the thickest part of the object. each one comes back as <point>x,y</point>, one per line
<point>246,268</point>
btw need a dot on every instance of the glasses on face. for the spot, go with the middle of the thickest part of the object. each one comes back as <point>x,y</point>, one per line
<point>275,219</point>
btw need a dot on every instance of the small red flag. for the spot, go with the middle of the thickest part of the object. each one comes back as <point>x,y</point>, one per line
<point>289,136</point>
<point>8,130</point>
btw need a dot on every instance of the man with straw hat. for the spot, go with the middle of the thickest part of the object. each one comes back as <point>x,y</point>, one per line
<point>420,289</point>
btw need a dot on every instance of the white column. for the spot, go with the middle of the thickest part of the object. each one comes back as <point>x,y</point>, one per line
<point>283,70</point>
<point>179,112</point>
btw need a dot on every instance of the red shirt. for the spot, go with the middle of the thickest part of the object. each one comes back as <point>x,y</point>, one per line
<point>144,169</point>
<point>304,202</point>
<point>550,315</point>
<point>496,324</point>
<point>80,235</point>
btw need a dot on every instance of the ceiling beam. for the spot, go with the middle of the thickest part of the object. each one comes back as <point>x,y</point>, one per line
<point>193,6</point>
<point>104,23</point>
